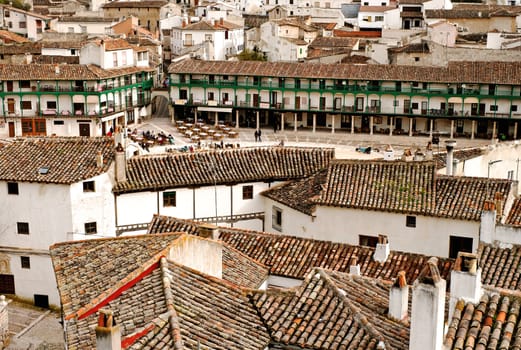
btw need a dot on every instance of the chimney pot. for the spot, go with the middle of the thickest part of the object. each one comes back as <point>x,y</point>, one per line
<point>108,334</point>
<point>354,268</point>
<point>99,159</point>
<point>449,145</point>
<point>208,231</point>
<point>382,250</point>
<point>389,153</point>
<point>399,297</point>
<point>465,280</point>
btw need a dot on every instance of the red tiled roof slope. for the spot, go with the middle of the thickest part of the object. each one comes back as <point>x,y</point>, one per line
<point>493,323</point>
<point>231,166</point>
<point>294,257</point>
<point>500,266</point>
<point>241,270</point>
<point>514,216</point>
<point>329,311</point>
<point>483,72</point>
<point>68,160</point>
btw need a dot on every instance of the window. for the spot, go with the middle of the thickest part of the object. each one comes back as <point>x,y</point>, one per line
<point>51,104</point>
<point>91,228</point>
<point>367,241</point>
<point>115,59</point>
<point>297,83</point>
<point>88,186</point>
<point>493,108</point>
<point>58,122</point>
<point>247,192</point>
<point>379,18</point>
<point>276,218</point>
<point>459,244</point>
<point>414,105</point>
<point>22,228</point>
<point>510,175</point>
<point>210,96</point>
<point>208,37</point>
<point>27,105</point>
<point>396,103</point>
<point>22,25</point>
<point>26,262</point>
<point>169,199</point>
<point>25,84</point>
<point>6,13</point>
<point>410,221</point>
<point>12,188</point>
<point>124,58</point>
<point>416,59</point>
<point>513,108</point>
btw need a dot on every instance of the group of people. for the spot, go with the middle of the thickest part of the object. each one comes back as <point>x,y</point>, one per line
<point>258,135</point>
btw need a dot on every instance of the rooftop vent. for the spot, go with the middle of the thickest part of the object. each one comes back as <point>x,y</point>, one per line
<point>43,170</point>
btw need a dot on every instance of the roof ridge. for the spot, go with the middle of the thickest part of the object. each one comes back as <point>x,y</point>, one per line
<point>357,314</point>
<point>173,320</point>
<point>141,236</point>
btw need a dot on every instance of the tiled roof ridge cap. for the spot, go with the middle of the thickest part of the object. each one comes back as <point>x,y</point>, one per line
<point>117,289</point>
<point>491,290</point>
<point>173,320</point>
<point>473,178</point>
<point>141,236</point>
<point>357,314</point>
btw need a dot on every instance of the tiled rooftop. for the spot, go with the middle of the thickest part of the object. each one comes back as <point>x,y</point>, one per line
<point>21,48</point>
<point>493,323</point>
<point>462,155</point>
<point>500,266</point>
<point>330,310</point>
<point>411,187</point>
<point>295,257</point>
<point>136,4</point>
<point>8,37</point>
<point>68,160</point>
<point>475,11</point>
<point>514,216</point>
<point>232,166</point>
<point>457,71</point>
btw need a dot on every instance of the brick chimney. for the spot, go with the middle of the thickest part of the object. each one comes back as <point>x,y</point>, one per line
<point>382,249</point>
<point>428,306</point>
<point>121,173</point>
<point>354,268</point>
<point>108,334</point>
<point>449,145</point>
<point>465,280</point>
<point>208,231</point>
<point>487,228</point>
<point>399,297</point>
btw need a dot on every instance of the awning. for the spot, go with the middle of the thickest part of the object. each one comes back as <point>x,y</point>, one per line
<point>215,109</point>
<point>78,99</point>
<point>455,100</point>
<point>471,100</point>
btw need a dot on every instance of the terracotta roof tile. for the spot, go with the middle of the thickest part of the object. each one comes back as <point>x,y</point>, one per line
<point>9,37</point>
<point>294,257</point>
<point>68,160</point>
<point>329,311</point>
<point>330,42</point>
<point>136,4</point>
<point>21,48</point>
<point>411,187</point>
<point>237,165</point>
<point>493,323</point>
<point>462,155</point>
<point>475,11</point>
<point>500,266</point>
<point>514,216</point>
<point>457,71</point>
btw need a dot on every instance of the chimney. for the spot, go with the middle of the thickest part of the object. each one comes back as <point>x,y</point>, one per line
<point>121,173</point>
<point>382,249</point>
<point>465,280</point>
<point>184,23</point>
<point>450,144</point>
<point>428,306</point>
<point>419,156</point>
<point>99,159</point>
<point>221,21</point>
<point>498,199</point>
<point>354,268</point>
<point>208,231</point>
<point>108,334</point>
<point>487,229</point>
<point>389,153</point>
<point>399,297</point>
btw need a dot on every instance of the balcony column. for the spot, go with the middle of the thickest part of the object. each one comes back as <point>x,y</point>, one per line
<point>352,124</point>
<point>371,125</point>
<point>295,122</point>
<point>216,119</point>
<point>332,123</point>
<point>452,128</point>
<point>195,115</point>
<point>472,128</point>
<point>494,130</point>
<point>391,127</point>
<point>515,130</point>
<point>173,116</point>
<point>257,120</point>
<point>282,121</point>
<point>410,126</point>
<point>237,118</point>
<point>314,122</point>
<point>430,129</point>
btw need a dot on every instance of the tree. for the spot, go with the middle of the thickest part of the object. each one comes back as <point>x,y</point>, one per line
<point>19,4</point>
<point>249,55</point>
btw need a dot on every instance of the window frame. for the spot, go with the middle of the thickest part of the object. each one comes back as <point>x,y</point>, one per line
<point>367,241</point>
<point>13,188</point>
<point>22,228</point>
<point>25,262</point>
<point>247,192</point>
<point>91,228</point>
<point>89,186</point>
<point>169,199</point>
<point>276,218</point>
<point>410,221</point>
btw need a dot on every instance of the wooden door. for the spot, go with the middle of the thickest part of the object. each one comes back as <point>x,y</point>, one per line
<point>11,129</point>
<point>297,102</point>
<point>7,284</point>
<point>9,85</point>
<point>10,105</point>
<point>84,129</point>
